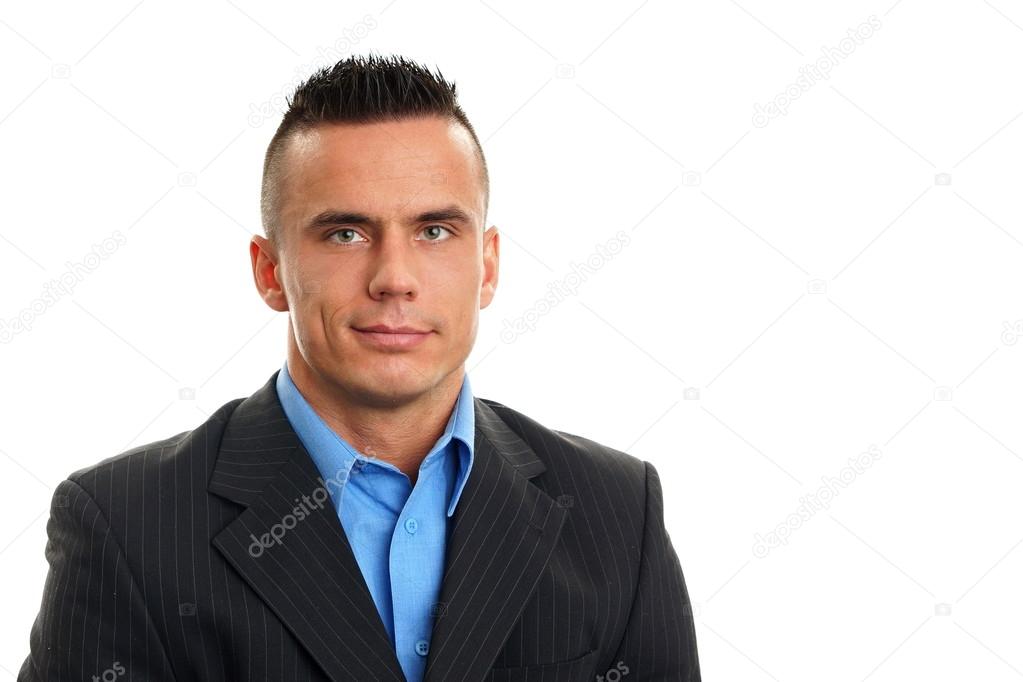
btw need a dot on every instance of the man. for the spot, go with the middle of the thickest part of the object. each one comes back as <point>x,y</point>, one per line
<point>363,516</point>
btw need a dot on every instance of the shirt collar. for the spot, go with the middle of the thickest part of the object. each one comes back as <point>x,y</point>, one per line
<point>322,442</point>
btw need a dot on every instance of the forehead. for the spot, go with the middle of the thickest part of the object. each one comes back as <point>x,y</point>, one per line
<point>382,167</point>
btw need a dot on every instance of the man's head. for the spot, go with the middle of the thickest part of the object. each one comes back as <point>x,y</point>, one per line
<point>374,199</point>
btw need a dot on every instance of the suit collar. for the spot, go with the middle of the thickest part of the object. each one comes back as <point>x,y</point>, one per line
<point>289,545</point>
<point>258,439</point>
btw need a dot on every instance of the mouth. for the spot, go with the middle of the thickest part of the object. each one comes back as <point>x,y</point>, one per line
<point>397,338</point>
<point>384,329</point>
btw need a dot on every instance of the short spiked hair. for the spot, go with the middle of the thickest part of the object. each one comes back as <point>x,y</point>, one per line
<point>359,89</point>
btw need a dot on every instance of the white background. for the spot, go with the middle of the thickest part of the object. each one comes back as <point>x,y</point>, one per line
<point>845,277</point>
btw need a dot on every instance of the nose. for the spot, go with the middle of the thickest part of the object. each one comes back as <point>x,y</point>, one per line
<point>393,268</point>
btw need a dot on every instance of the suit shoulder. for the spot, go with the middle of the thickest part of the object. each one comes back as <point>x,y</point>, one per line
<point>147,459</point>
<point>573,449</point>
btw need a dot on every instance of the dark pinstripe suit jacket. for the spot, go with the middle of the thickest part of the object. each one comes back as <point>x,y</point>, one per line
<point>558,567</point>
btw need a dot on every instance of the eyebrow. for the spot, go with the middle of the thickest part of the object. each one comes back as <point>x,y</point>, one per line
<point>340,217</point>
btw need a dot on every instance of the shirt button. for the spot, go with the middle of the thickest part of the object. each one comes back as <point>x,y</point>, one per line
<point>411,525</point>
<point>422,647</point>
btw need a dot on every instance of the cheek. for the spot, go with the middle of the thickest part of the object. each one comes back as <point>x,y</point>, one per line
<point>324,301</point>
<point>463,309</point>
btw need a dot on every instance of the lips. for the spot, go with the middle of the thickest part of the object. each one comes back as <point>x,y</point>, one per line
<point>384,329</point>
<point>386,338</point>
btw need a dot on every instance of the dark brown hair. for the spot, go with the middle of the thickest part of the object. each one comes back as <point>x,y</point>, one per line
<point>359,89</point>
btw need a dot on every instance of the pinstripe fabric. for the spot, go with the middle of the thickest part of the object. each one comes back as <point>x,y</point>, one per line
<point>204,557</point>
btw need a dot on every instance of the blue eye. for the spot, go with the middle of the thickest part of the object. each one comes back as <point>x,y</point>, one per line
<point>345,229</point>
<point>442,227</point>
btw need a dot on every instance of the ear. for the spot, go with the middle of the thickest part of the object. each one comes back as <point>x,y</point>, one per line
<point>491,262</point>
<point>264,271</point>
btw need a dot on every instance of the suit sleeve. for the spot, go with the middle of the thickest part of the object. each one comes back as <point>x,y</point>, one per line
<point>93,622</point>
<point>659,644</point>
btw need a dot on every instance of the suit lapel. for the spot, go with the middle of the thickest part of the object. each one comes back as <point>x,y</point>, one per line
<point>289,546</point>
<point>505,529</point>
<point>293,552</point>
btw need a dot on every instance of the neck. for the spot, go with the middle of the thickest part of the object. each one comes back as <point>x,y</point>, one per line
<point>400,434</point>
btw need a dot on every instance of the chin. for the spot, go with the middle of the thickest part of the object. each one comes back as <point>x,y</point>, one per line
<point>392,379</point>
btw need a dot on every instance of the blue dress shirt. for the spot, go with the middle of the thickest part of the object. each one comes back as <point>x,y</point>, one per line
<point>398,532</point>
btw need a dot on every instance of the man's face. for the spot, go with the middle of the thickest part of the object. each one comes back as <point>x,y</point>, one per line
<point>359,248</point>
